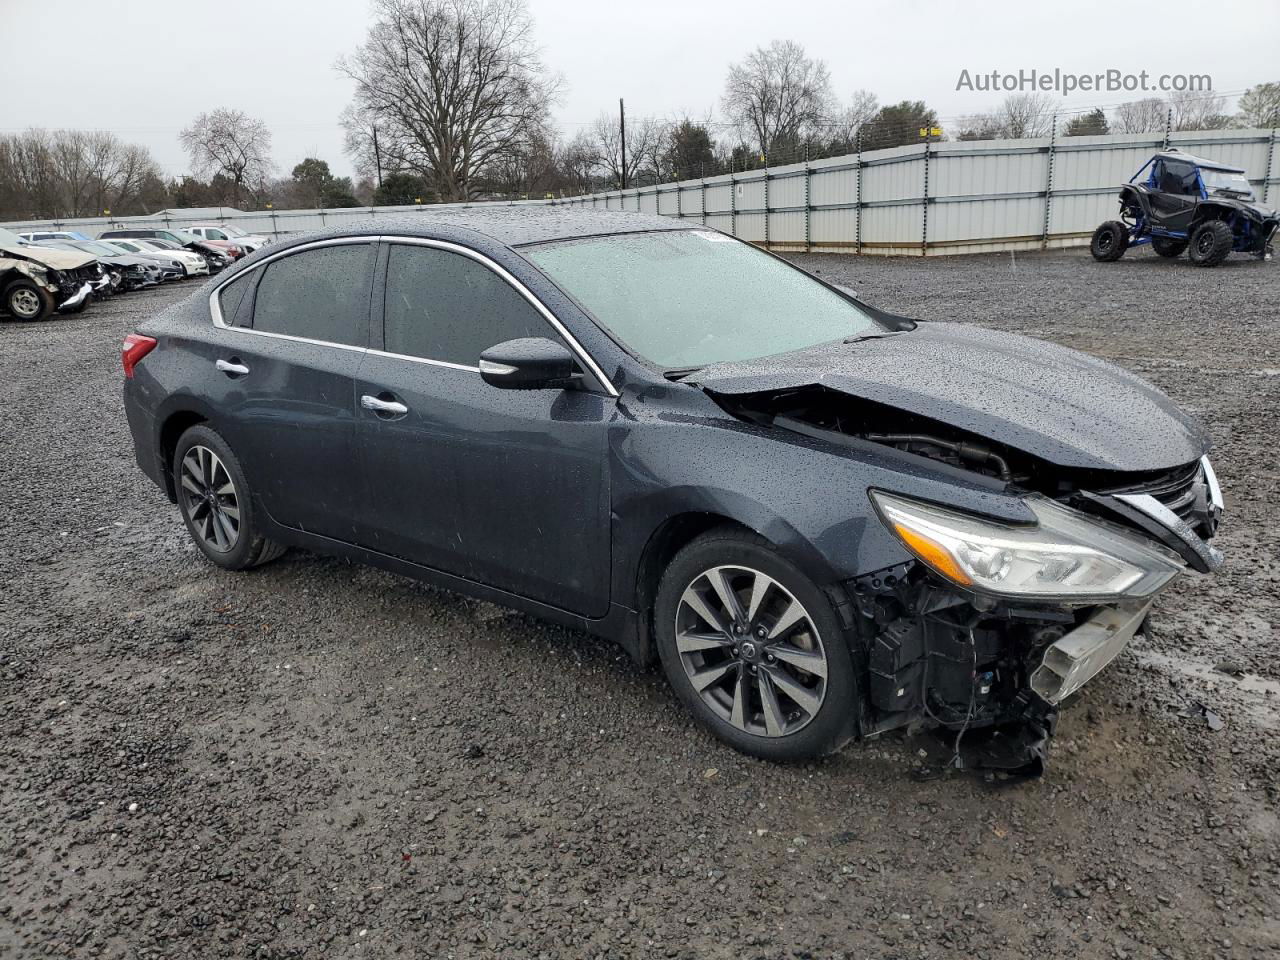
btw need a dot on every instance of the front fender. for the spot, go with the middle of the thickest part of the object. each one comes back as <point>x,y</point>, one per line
<point>806,496</point>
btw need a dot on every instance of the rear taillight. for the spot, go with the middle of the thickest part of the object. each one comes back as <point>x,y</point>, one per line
<point>134,348</point>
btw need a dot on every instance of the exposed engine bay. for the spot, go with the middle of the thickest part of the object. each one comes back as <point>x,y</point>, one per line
<point>961,661</point>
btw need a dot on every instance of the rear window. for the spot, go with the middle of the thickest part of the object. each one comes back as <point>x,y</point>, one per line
<point>319,294</point>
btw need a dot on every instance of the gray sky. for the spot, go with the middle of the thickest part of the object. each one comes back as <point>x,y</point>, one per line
<point>144,69</point>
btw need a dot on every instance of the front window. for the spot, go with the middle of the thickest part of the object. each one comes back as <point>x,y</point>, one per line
<point>683,299</point>
<point>233,232</point>
<point>445,306</point>
<point>1226,180</point>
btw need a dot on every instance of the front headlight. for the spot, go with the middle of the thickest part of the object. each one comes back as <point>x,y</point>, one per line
<point>1064,556</point>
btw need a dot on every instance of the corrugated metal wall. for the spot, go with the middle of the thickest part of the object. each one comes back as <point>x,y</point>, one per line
<point>950,197</point>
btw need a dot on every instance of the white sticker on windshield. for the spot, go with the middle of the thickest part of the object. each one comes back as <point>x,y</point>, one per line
<point>712,237</point>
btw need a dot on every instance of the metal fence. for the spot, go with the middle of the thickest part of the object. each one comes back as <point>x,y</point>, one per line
<point>931,198</point>
<point>270,223</point>
<point>934,198</point>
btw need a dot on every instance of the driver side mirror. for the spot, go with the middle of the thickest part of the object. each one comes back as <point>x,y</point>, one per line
<point>528,363</point>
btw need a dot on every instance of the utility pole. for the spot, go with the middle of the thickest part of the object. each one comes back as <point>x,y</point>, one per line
<point>377,156</point>
<point>622,136</point>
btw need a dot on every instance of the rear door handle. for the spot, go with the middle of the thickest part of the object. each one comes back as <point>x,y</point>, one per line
<point>226,366</point>
<point>383,406</point>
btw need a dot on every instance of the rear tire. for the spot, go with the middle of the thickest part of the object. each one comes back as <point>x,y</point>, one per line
<point>1210,243</point>
<point>782,681</point>
<point>1110,241</point>
<point>1168,247</point>
<point>216,502</point>
<point>24,300</point>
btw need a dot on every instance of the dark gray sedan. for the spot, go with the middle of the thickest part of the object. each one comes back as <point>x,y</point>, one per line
<point>825,520</point>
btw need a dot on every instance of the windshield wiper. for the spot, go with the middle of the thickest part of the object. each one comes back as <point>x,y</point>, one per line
<point>859,337</point>
<point>679,373</point>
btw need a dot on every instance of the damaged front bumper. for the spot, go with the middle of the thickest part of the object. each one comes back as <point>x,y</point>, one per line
<point>1080,655</point>
<point>966,658</point>
<point>77,298</point>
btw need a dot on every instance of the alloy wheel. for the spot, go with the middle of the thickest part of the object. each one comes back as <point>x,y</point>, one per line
<point>209,499</point>
<point>1204,242</point>
<point>751,651</point>
<point>24,303</point>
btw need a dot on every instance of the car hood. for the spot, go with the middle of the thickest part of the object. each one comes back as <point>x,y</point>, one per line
<point>50,257</point>
<point>1051,402</point>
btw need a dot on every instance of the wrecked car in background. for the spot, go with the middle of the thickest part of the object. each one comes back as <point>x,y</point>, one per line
<point>37,281</point>
<point>824,519</point>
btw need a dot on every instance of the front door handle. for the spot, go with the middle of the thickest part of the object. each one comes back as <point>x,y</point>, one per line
<point>226,366</point>
<point>383,406</point>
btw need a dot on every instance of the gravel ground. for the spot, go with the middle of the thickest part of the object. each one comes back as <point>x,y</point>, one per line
<point>318,759</point>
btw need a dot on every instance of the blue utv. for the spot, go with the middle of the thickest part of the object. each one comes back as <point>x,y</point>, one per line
<point>1178,202</point>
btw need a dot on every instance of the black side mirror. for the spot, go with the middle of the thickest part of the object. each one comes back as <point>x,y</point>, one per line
<point>529,363</point>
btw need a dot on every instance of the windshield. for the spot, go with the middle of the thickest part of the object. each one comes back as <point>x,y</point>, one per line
<point>684,299</point>
<point>10,239</point>
<point>185,237</point>
<point>1225,180</point>
<point>124,245</point>
<point>158,244</point>
<point>101,249</point>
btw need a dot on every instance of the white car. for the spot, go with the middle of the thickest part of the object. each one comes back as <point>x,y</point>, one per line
<point>221,231</point>
<point>34,237</point>
<point>193,263</point>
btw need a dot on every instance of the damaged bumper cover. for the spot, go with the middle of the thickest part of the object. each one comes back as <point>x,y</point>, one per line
<point>994,626</point>
<point>1080,655</point>
<point>77,298</point>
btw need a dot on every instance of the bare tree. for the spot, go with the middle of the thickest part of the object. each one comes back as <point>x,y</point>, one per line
<point>360,142</point>
<point>578,163</point>
<point>1199,111</point>
<point>1260,105</point>
<point>645,143</point>
<point>453,86</point>
<point>1141,116</point>
<point>1020,116</point>
<point>778,95</point>
<point>74,173</point>
<point>843,132</point>
<point>1025,115</point>
<point>230,143</point>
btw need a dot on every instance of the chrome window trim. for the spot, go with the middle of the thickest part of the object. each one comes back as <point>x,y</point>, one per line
<point>587,360</point>
<point>433,363</point>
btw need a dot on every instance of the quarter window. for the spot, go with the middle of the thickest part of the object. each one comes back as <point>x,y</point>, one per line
<point>231,296</point>
<point>320,294</point>
<point>445,306</point>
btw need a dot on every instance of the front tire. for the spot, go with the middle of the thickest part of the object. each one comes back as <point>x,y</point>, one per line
<point>754,649</point>
<point>24,300</point>
<point>216,502</point>
<point>1168,247</point>
<point>1109,242</point>
<point>1210,243</point>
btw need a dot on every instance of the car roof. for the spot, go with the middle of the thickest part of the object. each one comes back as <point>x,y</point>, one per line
<point>510,226</point>
<point>1198,161</point>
